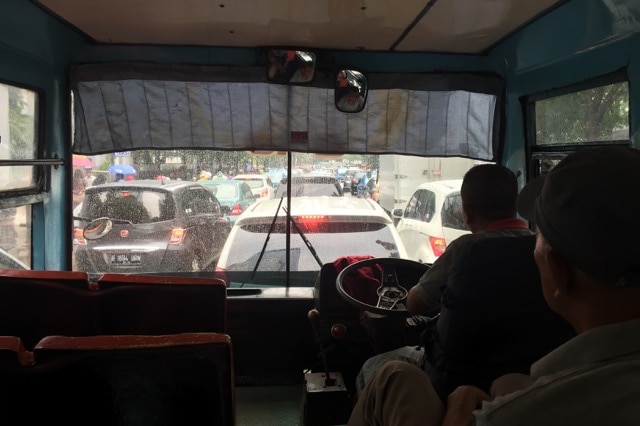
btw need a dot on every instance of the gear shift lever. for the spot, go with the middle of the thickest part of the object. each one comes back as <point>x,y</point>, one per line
<point>314,317</point>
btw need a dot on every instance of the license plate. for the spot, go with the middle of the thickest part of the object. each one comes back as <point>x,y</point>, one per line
<point>126,259</point>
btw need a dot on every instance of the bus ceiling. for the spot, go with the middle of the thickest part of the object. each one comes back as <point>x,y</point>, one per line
<point>409,61</point>
<point>461,26</point>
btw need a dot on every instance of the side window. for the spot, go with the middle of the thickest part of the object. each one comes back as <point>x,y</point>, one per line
<point>452,212</point>
<point>247,191</point>
<point>214,205</point>
<point>581,117</point>
<point>427,206</point>
<point>19,125</point>
<point>412,205</point>
<point>194,202</point>
<point>203,201</point>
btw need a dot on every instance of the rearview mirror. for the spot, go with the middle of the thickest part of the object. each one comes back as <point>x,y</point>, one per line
<point>97,229</point>
<point>350,91</point>
<point>290,66</point>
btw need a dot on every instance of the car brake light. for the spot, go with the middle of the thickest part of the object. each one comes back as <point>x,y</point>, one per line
<point>177,235</point>
<point>221,274</point>
<point>237,209</point>
<point>311,218</point>
<point>438,245</point>
<point>78,236</point>
<point>264,192</point>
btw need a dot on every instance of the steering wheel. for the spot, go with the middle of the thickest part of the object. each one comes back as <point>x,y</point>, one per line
<point>391,292</point>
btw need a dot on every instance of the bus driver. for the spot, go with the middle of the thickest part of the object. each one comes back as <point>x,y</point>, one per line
<point>594,378</point>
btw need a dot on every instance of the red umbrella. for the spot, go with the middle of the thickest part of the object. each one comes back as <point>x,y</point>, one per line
<point>82,161</point>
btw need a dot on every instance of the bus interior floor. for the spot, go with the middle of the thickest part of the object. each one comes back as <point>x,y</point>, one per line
<point>269,405</point>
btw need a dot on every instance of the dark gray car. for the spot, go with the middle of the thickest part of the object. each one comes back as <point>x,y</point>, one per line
<point>157,226</point>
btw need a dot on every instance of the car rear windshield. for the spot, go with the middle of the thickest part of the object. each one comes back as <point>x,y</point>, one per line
<point>253,183</point>
<point>132,204</point>
<point>224,191</point>
<point>310,187</point>
<point>329,240</point>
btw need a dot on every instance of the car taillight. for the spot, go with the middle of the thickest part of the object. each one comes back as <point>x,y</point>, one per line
<point>264,192</point>
<point>437,245</point>
<point>78,237</point>
<point>311,218</point>
<point>177,235</point>
<point>237,209</point>
<point>221,273</point>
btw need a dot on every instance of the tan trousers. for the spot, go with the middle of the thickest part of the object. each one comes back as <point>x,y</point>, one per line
<point>398,393</point>
<point>401,394</point>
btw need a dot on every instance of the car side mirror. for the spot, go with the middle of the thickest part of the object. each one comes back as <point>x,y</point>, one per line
<point>350,90</point>
<point>290,66</point>
<point>397,213</point>
<point>97,229</point>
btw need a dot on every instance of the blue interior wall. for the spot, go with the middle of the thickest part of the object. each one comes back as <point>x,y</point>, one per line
<point>34,52</point>
<point>580,40</point>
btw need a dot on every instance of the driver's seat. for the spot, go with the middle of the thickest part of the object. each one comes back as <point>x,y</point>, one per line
<point>493,317</point>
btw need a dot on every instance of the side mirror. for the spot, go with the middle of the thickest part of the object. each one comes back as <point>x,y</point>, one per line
<point>97,229</point>
<point>290,66</point>
<point>350,91</point>
<point>397,213</point>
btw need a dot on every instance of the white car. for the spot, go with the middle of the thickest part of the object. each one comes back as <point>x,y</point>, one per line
<point>261,185</point>
<point>322,230</point>
<point>431,219</point>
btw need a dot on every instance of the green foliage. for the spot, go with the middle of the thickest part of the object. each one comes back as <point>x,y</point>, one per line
<point>590,115</point>
<point>21,126</point>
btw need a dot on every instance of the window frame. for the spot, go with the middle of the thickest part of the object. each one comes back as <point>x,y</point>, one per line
<point>36,193</point>
<point>540,158</point>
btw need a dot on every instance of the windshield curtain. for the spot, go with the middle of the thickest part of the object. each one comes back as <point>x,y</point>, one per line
<point>125,107</point>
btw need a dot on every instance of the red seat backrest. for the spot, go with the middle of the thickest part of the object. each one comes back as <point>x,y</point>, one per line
<point>150,304</point>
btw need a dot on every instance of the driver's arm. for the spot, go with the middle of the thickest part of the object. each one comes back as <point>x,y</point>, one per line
<point>424,297</point>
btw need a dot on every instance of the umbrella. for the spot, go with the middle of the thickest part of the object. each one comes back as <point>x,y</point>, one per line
<point>124,169</point>
<point>81,161</point>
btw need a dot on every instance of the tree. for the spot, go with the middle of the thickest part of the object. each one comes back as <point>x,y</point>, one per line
<point>21,126</point>
<point>586,116</point>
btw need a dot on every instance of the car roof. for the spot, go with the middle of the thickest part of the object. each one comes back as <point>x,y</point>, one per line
<point>166,185</point>
<point>251,176</point>
<point>221,182</point>
<point>323,172</point>
<point>313,178</point>
<point>442,186</point>
<point>335,208</point>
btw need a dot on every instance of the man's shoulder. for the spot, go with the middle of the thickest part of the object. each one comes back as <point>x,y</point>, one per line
<point>477,238</point>
<point>496,233</point>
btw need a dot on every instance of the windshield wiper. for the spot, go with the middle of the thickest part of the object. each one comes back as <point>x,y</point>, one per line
<point>304,238</point>
<point>266,241</point>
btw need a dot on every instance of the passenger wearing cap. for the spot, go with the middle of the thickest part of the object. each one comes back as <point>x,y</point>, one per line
<point>594,378</point>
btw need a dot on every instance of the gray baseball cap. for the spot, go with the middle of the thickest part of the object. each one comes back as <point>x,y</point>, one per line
<point>588,209</point>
